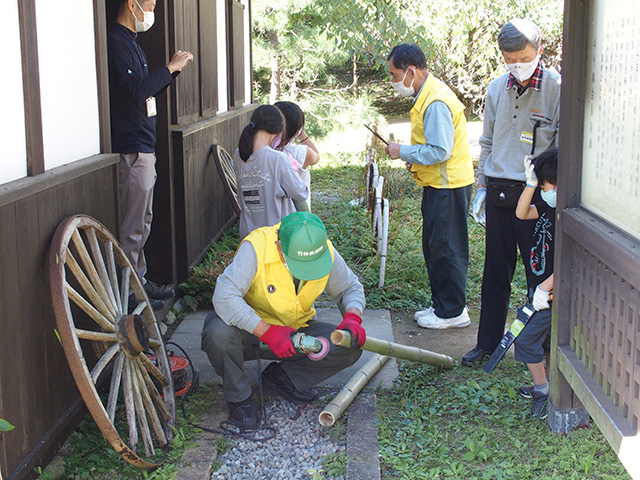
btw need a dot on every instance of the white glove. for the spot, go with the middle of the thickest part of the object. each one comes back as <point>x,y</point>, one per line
<point>532,180</point>
<point>479,206</point>
<point>540,299</point>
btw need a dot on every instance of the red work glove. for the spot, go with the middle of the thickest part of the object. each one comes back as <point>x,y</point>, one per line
<point>278,337</point>
<point>353,324</point>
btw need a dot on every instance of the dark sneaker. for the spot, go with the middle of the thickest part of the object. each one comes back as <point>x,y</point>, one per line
<point>157,292</point>
<point>275,379</point>
<point>525,391</point>
<point>539,405</point>
<point>155,304</point>
<point>244,414</point>
<point>474,357</point>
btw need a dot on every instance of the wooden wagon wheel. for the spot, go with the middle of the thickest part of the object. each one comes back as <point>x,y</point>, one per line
<point>90,282</point>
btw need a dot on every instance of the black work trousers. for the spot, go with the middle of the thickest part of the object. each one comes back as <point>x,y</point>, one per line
<point>228,347</point>
<point>505,234</point>
<point>445,246</point>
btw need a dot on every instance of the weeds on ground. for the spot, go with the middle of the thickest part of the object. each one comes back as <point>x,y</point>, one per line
<point>197,290</point>
<point>464,423</point>
<point>87,455</point>
<point>338,198</point>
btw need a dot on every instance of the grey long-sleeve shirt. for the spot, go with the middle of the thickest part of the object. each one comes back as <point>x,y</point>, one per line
<point>508,126</point>
<point>267,186</point>
<point>234,283</point>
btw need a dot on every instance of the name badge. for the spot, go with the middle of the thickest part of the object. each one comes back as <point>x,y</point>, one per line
<point>151,107</point>
<point>526,137</point>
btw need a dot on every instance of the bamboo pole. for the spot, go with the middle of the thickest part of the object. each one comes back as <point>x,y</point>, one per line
<point>343,399</point>
<point>342,338</point>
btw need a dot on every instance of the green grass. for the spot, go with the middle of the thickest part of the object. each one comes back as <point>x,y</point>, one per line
<point>87,455</point>
<point>466,424</point>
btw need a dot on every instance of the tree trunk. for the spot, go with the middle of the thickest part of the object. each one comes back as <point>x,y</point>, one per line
<point>355,75</point>
<point>276,67</point>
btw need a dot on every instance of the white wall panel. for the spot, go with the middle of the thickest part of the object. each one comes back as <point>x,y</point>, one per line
<point>12,129</point>
<point>68,84</point>
<point>223,68</point>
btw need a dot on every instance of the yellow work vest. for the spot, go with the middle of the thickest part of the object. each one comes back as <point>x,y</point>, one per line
<point>458,170</point>
<point>272,293</point>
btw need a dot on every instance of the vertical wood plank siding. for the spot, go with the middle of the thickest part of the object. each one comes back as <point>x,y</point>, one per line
<point>37,386</point>
<point>208,64</point>
<point>202,208</point>
<point>235,52</point>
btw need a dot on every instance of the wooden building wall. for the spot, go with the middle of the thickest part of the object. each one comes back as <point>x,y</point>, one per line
<point>596,322</point>
<point>38,394</point>
<point>199,193</point>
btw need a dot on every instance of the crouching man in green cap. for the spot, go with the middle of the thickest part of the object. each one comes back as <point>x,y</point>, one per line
<point>267,294</point>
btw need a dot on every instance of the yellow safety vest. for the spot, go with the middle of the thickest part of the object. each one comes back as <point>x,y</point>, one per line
<point>458,170</point>
<point>272,293</point>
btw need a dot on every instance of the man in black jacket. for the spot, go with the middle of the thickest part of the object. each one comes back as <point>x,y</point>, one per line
<point>133,129</point>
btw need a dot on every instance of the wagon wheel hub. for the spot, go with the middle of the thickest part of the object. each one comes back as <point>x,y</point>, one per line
<point>133,335</point>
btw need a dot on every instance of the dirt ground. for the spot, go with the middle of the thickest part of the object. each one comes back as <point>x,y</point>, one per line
<point>454,342</point>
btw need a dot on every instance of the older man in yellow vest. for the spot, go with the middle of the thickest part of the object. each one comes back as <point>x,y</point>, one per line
<point>440,162</point>
<point>267,294</point>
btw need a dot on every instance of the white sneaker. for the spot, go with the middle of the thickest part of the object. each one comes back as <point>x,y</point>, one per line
<point>422,313</point>
<point>431,320</point>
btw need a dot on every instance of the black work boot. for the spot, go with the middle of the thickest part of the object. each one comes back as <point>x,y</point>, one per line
<point>244,414</point>
<point>157,292</point>
<point>474,357</point>
<point>133,303</point>
<point>275,379</point>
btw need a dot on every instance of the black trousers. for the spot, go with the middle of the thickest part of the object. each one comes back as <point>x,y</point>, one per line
<point>505,234</point>
<point>228,347</point>
<point>445,246</point>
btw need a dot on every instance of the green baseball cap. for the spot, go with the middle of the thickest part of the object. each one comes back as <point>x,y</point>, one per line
<point>303,239</point>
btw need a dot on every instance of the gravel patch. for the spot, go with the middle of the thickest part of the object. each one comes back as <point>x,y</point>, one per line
<point>295,453</point>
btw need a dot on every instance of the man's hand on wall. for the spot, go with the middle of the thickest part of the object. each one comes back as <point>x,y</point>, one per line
<point>179,61</point>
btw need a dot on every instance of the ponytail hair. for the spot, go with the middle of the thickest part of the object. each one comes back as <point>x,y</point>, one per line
<point>294,116</point>
<point>265,117</point>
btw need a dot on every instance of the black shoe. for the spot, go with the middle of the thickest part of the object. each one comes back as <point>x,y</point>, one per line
<point>157,292</point>
<point>475,356</point>
<point>244,414</point>
<point>275,378</point>
<point>133,303</point>
<point>539,405</point>
<point>525,391</point>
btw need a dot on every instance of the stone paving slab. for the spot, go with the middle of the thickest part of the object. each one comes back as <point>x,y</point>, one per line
<point>376,322</point>
<point>363,463</point>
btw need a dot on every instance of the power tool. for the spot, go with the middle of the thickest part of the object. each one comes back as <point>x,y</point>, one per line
<point>316,348</point>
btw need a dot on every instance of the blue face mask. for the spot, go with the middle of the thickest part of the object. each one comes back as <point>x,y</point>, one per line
<point>550,197</point>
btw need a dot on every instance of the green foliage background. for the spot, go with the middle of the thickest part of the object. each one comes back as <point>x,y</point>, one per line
<point>329,54</point>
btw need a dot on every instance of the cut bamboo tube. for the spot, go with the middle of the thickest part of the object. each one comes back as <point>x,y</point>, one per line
<point>342,338</point>
<point>343,399</point>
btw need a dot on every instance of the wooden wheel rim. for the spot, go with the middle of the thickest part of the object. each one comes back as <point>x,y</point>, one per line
<point>108,275</point>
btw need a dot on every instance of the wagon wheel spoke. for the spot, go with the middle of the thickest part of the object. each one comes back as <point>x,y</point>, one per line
<point>98,260</point>
<point>114,388</point>
<point>91,279</point>
<point>88,288</point>
<point>153,391</point>
<point>146,396</point>
<point>92,272</point>
<point>113,274</point>
<point>140,411</point>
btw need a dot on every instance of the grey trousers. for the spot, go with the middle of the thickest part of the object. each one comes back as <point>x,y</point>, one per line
<point>228,347</point>
<point>137,172</point>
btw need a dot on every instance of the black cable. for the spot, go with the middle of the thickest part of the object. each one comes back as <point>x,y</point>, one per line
<point>246,432</point>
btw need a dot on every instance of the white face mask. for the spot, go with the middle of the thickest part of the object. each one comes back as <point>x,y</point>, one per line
<point>523,71</point>
<point>400,88</point>
<point>147,20</point>
<point>550,197</point>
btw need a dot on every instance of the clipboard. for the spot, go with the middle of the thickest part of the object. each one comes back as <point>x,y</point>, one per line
<point>376,134</point>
